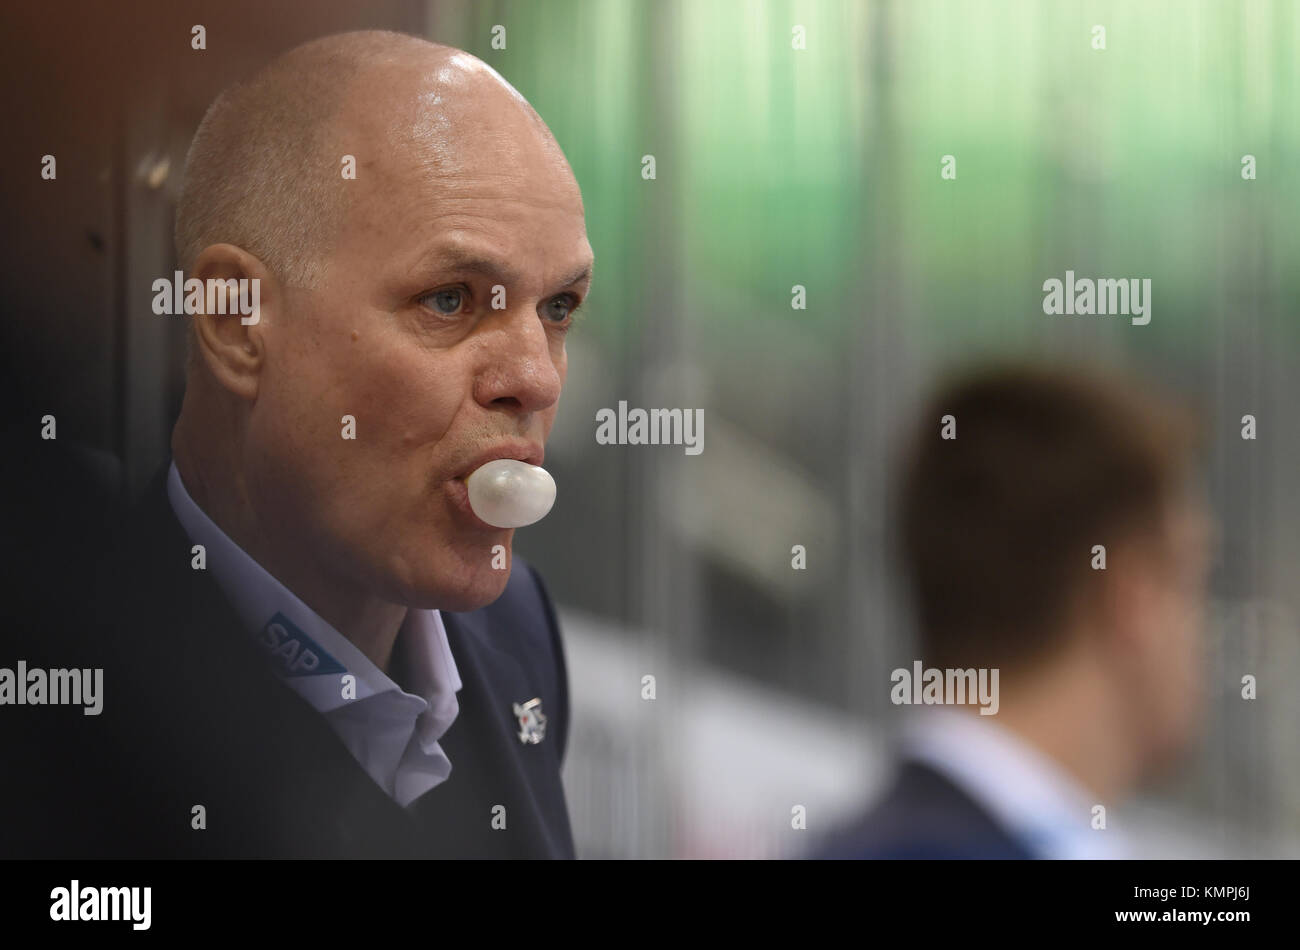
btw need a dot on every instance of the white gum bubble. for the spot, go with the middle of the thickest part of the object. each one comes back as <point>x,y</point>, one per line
<point>507,493</point>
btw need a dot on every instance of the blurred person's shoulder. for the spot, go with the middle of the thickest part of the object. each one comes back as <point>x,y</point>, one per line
<point>922,815</point>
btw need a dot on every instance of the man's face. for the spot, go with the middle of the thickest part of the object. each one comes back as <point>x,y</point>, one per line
<point>451,215</point>
<point>1171,613</point>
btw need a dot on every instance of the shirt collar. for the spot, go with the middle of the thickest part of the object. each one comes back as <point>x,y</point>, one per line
<point>309,654</point>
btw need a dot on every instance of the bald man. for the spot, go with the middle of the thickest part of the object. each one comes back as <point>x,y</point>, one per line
<point>327,653</point>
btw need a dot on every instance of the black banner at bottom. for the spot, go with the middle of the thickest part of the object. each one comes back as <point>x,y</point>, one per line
<point>92,900</point>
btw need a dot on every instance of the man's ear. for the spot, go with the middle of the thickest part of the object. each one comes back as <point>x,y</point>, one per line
<point>239,293</point>
<point>1128,599</point>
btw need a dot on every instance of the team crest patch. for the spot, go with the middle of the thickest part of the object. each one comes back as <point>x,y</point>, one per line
<point>532,723</point>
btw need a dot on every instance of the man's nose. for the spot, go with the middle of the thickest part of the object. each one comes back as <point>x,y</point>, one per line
<point>519,368</point>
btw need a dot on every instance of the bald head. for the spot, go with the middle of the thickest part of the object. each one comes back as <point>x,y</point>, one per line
<point>265,169</point>
<point>411,319</point>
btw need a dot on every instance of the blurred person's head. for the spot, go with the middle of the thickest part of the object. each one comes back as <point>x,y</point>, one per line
<point>999,530</point>
<point>426,297</point>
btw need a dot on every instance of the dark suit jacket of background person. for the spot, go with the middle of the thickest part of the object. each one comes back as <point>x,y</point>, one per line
<point>924,815</point>
<point>194,715</point>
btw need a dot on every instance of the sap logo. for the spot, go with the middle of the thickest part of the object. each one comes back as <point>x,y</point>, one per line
<point>295,653</point>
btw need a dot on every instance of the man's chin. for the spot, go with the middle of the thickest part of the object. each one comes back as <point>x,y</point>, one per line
<point>472,592</point>
<point>1167,761</point>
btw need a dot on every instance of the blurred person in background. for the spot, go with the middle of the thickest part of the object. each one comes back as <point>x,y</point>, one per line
<point>1004,510</point>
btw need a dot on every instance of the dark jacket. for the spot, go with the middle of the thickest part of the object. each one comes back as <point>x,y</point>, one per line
<point>194,716</point>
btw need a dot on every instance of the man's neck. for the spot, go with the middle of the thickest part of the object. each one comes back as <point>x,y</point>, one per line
<point>1066,715</point>
<point>369,623</point>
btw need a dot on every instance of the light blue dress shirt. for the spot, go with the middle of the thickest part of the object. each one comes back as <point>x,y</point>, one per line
<point>393,734</point>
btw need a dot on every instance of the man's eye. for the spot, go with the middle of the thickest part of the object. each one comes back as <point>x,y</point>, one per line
<point>559,308</point>
<point>446,302</point>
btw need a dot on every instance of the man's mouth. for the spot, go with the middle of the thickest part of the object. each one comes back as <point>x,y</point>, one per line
<point>531,452</point>
<point>458,491</point>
